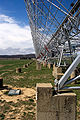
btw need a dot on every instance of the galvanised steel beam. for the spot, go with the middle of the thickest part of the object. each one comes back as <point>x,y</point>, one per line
<point>72,11</point>
<point>68,72</point>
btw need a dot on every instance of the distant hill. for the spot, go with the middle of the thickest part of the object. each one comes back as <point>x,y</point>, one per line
<point>28,56</point>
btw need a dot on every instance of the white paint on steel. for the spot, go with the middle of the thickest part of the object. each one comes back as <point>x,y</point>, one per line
<point>68,72</point>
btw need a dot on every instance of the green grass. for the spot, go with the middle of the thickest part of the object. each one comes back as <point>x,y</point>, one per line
<point>31,76</point>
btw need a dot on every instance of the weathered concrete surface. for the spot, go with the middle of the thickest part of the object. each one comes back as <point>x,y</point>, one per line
<point>57,72</point>
<point>44,64</point>
<point>25,66</point>
<point>38,65</point>
<point>58,107</point>
<point>50,65</point>
<point>18,70</point>
<point>72,74</point>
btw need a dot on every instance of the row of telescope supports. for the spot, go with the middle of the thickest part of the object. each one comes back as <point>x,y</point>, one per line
<point>61,106</point>
<point>38,65</point>
<point>57,71</point>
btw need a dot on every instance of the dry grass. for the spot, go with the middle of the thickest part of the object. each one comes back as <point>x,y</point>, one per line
<point>18,107</point>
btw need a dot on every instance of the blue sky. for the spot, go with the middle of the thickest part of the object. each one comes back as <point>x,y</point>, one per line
<point>15,34</point>
<point>15,9</point>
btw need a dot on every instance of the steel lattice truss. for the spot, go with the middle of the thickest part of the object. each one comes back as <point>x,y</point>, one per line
<point>55,26</point>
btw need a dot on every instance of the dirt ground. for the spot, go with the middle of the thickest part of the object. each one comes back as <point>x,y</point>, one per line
<point>25,93</point>
<point>18,107</point>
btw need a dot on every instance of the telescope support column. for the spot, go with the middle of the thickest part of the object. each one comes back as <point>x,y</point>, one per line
<point>54,107</point>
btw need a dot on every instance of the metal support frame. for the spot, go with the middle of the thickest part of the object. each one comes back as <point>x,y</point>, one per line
<point>46,28</point>
<point>54,25</point>
<point>72,80</point>
<point>62,82</point>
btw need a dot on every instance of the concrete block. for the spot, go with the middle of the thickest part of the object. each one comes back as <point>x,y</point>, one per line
<point>45,116</point>
<point>72,75</point>
<point>58,69</point>
<point>44,64</point>
<point>52,73</point>
<point>38,66</point>
<point>18,70</point>
<point>54,67</point>
<point>57,72</point>
<point>42,94</point>
<point>25,66</point>
<point>54,107</point>
<point>50,65</point>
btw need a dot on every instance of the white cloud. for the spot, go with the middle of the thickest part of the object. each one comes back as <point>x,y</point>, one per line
<point>13,51</point>
<point>13,35</point>
<point>4,18</point>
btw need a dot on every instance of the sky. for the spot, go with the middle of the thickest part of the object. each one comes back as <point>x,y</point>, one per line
<point>15,33</point>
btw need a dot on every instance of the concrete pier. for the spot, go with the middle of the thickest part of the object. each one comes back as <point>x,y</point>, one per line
<point>25,66</point>
<point>38,65</point>
<point>72,75</point>
<point>54,107</point>
<point>57,72</point>
<point>44,64</point>
<point>18,70</point>
<point>50,65</point>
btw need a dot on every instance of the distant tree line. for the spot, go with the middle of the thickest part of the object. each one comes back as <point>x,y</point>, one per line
<point>28,56</point>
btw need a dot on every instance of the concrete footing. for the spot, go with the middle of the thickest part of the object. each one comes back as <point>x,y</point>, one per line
<point>72,75</point>
<point>57,72</point>
<point>50,65</point>
<point>57,107</point>
<point>18,70</point>
<point>44,64</point>
<point>38,66</point>
<point>25,66</point>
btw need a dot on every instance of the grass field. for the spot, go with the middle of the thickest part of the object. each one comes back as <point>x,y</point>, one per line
<point>23,106</point>
<point>27,78</point>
